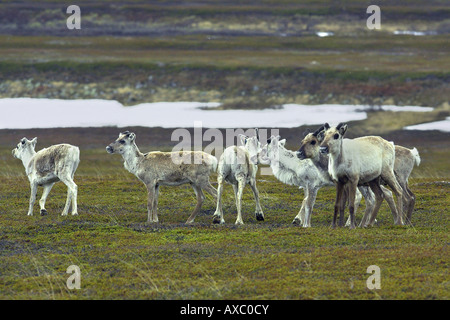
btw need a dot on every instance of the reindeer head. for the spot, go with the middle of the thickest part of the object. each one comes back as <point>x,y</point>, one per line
<point>252,145</point>
<point>310,145</point>
<point>270,151</point>
<point>333,138</point>
<point>123,142</point>
<point>25,146</point>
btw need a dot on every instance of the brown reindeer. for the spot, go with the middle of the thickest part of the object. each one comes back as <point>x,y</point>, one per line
<point>155,169</point>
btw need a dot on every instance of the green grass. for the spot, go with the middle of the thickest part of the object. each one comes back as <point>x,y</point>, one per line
<point>121,257</point>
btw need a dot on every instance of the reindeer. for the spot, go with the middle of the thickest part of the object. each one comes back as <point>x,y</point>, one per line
<point>310,149</point>
<point>157,169</point>
<point>405,159</point>
<point>305,173</point>
<point>354,162</point>
<point>48,166</point>
<point>238,165</point>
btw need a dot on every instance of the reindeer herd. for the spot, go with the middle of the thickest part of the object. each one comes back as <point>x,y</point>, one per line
<point>359,167</point>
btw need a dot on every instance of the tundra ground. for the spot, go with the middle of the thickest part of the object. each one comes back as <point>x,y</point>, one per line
<point>122,257</point>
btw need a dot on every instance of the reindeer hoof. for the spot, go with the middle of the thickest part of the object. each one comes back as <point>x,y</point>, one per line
<point>44,212</point>
<point>218,220</point>
<point>297,222</point>
<point>259,216</point>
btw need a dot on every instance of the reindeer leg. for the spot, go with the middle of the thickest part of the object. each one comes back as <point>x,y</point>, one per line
<point>357,203</point>
<point>151,188</point>
<point>410,206</point>
<point>376,188</point>
<point>392,182</point>
<point>218,215</point>
<point>200,198</point>
<point>352,185</point>
<point>45,193</point>
<point>369,198</point>
<point>258,211</point>
<point>387,194</point>
<point>300,217</point>
<point>72,190</point>
<point>309,207</point>
<point>241,185</point>
<point>210,189</point>
<point>339,204</point>
<point>155,204</point>
<point>33,187</point>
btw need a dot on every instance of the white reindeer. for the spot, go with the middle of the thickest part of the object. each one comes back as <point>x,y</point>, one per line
<point>238,166</point>
<point>157,168</point>
<point>354,162</point>
<point>405,160</point>
<point>47,166</point>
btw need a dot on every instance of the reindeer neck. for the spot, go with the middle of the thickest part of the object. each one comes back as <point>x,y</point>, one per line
<point>26,158</point>
<point>321,161</point>
<point>287,158</point>
<point>337,156</point>
<point>132,156</point>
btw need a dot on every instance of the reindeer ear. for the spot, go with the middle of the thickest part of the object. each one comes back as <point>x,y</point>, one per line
<point>318,131</point>
<point>320,136</point>
<point>326,126</point>
<point>342,127</point>
<point>34,141</point>
<point>243,138</point>
<point>282,142</point>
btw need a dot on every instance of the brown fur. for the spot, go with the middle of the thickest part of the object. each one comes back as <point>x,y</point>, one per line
<point>157,168</point>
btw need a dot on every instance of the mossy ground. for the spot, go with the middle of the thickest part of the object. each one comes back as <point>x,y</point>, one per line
<point>122,257</point>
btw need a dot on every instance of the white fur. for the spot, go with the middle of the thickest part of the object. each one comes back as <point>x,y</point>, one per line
<point>238,166</point>
<point>48,166</point>
<point>289,169</point>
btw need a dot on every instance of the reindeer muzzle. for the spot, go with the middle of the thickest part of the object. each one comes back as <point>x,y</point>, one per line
<point>324,150</point>
<point>300,154</point>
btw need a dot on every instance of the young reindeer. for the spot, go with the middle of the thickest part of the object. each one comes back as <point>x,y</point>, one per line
<point>405,160</point>
<point>354,162</point>
<point>48,166</point>
<point>157,169</point>
<point>238,165</point>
